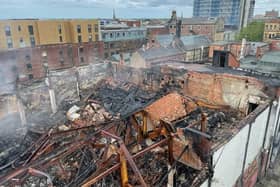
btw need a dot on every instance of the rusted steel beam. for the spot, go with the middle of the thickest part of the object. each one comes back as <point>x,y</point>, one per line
<point>93,179</point>
<point>132,164</point>
<point>108,134</point>
<point>197,132</point>
<point>124,174</point>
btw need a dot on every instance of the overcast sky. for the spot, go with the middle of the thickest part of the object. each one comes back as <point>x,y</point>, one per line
<point>103,8</point>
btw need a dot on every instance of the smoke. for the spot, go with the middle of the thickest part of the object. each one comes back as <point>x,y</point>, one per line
<point>8,74</point>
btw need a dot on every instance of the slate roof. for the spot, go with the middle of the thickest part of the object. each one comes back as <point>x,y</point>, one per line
<point>185,42</point>
<point>273,57</point>
<point>159,52</point>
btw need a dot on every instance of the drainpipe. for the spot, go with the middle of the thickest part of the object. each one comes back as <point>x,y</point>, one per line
<point>52,96</point>
<point>245,155</point>
<point>266,129</point>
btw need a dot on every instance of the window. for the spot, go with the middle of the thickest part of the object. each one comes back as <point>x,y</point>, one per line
<point>30,29</point>
<point>19,28</point>
<point>59,27</point>
<point>103,36</point>
<point>118,34</point>
<point>82,60</point>
<point>27,58</point>
<point>80,39</point>
<point>32,41</point>
<point>266,26</point>
<point>60,39</point>
<point>8,31</point>
<point>271,27</point>
<point>79,30</point>
<point>9,43</point>
<point>81,49</point>
<point>123,33</point>
<point>96,27</point>
<point>89,28</point>
<point>21,40</point>
<point>90,38</point>
<point>44,54</point>
<point>30,76</point>
<point>112,45</point>
<point>61,61</point>
<point>61,53</point>
<point>29,66</point>
<point>111,35</point>
<point>96,37</point>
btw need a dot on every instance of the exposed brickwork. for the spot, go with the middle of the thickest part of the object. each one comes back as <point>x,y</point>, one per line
<point>33,63</point>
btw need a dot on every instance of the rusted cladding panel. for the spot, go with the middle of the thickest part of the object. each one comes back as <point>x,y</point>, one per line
<point>189,158</point>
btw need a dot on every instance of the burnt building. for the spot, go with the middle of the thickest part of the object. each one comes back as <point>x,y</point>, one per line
<point>176,124</point>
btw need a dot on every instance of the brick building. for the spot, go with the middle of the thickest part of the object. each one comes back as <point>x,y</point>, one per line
<point>275,44</point>
<point>34,63</point>
<point>211,27</point>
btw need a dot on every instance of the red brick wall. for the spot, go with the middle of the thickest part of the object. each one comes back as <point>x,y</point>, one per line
<point>30,61</point>
<point>208,30</point>
<point>232,61</point>
<point>275,45</point>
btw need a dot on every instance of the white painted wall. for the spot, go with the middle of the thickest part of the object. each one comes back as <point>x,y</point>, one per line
<point>228,160</point>
<point>256,137</point>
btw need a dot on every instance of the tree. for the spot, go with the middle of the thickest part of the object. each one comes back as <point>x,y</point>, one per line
<point>253,32</point>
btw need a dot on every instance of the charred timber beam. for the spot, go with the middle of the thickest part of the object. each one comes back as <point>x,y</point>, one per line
<point>37,172</point>
<point>197,132</point>
<point>92,180</point>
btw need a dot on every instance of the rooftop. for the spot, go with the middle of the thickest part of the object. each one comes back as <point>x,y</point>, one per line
<point>160,52</point>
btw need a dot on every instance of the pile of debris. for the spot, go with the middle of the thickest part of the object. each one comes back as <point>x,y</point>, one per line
<point>122,99</point>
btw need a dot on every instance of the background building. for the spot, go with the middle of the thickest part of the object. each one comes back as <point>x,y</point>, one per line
<point>33,32</point>
<point>120,38</point>
<point>211,27</point>
<point>236,13</point>
<point>271,29</point>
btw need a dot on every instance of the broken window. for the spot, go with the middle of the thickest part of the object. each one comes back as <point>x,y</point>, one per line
<point>9,43</point>
<point>252,107</point>
<point>59,29</point>
<point>8,30</point>
<point>29,66</point>
<point>79,30</point>
<point>61,61</point>
<point>27,58</point>
<point>80,39</point>
<point>44,54</point>
<point>30,76</point>
<point>89,28</point>
<point>32,41</point>
<point>30,29</point>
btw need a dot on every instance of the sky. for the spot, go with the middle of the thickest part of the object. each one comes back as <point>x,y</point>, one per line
<point>10,9</point>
